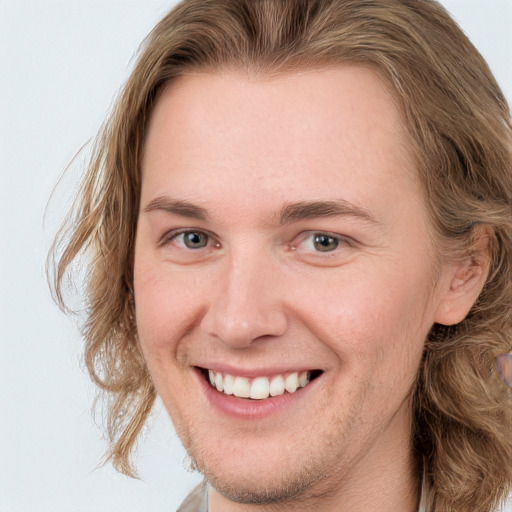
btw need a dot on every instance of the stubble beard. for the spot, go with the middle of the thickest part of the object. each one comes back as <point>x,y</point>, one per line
<point>304,479</point>
<point>287,490</point>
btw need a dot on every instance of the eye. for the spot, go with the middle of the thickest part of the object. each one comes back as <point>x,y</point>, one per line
<point>188,239</point>
<point>321,242</point>
<point>324,248</point>
<point>194,239</point>
<point>325,243</point>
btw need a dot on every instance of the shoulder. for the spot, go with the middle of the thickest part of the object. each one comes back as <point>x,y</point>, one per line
<point>197,500</point>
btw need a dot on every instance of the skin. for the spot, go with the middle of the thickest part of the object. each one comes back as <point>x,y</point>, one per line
<point>504,367</point>
<point>260,295</point>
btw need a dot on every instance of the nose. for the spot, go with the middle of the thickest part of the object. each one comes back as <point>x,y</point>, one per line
<point>247,305</point>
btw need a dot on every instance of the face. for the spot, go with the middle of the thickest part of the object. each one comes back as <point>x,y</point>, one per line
<point>283,251</point>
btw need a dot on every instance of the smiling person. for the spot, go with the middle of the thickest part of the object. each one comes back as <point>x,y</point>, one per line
<point>297,223</point>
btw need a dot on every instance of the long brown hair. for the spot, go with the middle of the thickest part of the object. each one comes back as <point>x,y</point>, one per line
<point>461,136</point>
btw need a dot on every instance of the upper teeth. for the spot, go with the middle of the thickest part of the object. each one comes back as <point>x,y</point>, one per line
<point>258,388</point>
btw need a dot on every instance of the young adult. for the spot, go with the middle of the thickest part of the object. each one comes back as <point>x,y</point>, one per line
<point>298,230</point>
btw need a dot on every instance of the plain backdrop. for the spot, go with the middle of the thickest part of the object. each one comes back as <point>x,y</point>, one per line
<point>61,65</point>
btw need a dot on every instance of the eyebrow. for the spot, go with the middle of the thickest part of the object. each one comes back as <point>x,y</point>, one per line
<point>290,213</point>
<point>177,207</point>
<point>302,210</point>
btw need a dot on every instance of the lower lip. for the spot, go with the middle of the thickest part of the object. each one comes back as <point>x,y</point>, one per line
<point>243,408</point>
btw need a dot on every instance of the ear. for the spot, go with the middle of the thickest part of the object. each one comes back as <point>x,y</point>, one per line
<point>462,280</point>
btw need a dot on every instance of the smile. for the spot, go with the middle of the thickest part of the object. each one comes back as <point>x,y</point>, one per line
<point>259,388</point>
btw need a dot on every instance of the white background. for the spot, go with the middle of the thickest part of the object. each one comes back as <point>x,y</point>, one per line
<point>61,65</point>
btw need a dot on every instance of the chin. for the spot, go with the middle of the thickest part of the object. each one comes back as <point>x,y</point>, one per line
<point>258,475</point>
<point>249,488</point>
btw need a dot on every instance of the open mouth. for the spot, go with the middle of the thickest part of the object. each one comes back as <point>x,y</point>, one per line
<point>259,388</point>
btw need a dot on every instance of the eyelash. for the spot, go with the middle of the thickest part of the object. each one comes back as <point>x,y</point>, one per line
<point>343,241</point>
<point>171,237</point>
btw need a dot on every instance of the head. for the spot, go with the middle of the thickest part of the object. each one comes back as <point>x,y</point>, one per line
<point>451,136</point>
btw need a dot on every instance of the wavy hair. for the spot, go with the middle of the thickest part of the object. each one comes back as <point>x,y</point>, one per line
<point>460,132</point>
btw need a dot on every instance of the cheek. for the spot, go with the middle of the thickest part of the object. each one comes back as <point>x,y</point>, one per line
<point>165,304</point>
<point>376,324</point>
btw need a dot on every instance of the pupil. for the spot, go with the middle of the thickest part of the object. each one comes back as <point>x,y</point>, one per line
<point>194,240</point>
<point>325,243</point>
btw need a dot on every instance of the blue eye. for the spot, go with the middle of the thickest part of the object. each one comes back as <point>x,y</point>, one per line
<point>191,239</point>
<point>325,243</point>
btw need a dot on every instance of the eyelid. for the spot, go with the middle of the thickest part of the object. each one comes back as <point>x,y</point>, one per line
<point>345,243</point>
<point>168,236</point>
<point>315,232</point>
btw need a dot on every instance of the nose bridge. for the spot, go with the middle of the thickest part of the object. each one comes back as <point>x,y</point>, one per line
<point>246,305</point>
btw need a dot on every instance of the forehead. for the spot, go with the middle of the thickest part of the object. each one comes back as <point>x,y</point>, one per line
<point>305,104</point>
<point>300,136</point>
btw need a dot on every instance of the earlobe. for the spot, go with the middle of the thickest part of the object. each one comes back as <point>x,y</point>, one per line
<point>463,281</point>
